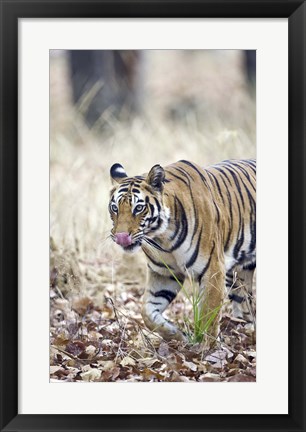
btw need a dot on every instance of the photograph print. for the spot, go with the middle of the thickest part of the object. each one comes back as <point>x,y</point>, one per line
<point>152,216</point>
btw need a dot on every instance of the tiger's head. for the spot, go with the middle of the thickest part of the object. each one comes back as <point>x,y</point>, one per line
<point>136,207</point>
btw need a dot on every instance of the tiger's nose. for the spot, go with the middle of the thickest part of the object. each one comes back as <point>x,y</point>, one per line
<point>123,239</point>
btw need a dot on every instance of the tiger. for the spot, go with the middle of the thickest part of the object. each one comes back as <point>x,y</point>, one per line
<point>190,220</point>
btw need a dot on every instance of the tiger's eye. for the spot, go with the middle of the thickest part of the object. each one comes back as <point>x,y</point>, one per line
<point>139,208</point>
<point>114,208</point>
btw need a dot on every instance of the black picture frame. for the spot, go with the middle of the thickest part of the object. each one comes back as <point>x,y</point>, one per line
<point>11,11</point>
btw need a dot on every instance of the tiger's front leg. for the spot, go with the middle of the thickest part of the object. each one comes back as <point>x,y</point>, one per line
<point>160,292</point>
<point>213,286</point>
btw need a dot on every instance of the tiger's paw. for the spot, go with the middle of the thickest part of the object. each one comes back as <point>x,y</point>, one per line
<point>166,329</point>
<point>170,332</point>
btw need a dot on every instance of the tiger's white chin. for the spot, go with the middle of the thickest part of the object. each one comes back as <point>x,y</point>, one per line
<point>134,247</point>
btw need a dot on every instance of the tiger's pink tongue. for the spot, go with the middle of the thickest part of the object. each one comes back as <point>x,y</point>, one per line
<point>123,239</point>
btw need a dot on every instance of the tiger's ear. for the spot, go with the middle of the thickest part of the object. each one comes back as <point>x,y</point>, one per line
<point>117,173</point>
<point>156,177</point>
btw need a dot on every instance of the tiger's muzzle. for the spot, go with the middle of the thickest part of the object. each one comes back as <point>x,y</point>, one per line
<point>127,242</point>
<point>123,239</point>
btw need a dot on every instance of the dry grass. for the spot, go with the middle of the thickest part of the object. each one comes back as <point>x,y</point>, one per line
<point>86,267</point>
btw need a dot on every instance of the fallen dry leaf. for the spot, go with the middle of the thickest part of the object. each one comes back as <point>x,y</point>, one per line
<point>76,348</point>
<point>91,374</point>
<point>54,369</point>
<point>127,361</point>
<point>106,365</point>
<point>241,378</point>
<point>190,365</point>
<point>163,349</point>
<point>91,351</point>
<point>110,374</point>
<point>209,377</point>
<point>241,359</point>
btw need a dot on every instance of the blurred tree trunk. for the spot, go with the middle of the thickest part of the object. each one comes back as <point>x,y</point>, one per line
<point>105,83</point>
<point>250,65</point>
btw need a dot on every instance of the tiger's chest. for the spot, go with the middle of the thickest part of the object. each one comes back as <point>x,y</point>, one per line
<point>187,258</point>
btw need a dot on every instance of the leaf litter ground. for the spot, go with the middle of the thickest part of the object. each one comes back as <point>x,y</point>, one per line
<point>97,333</point>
